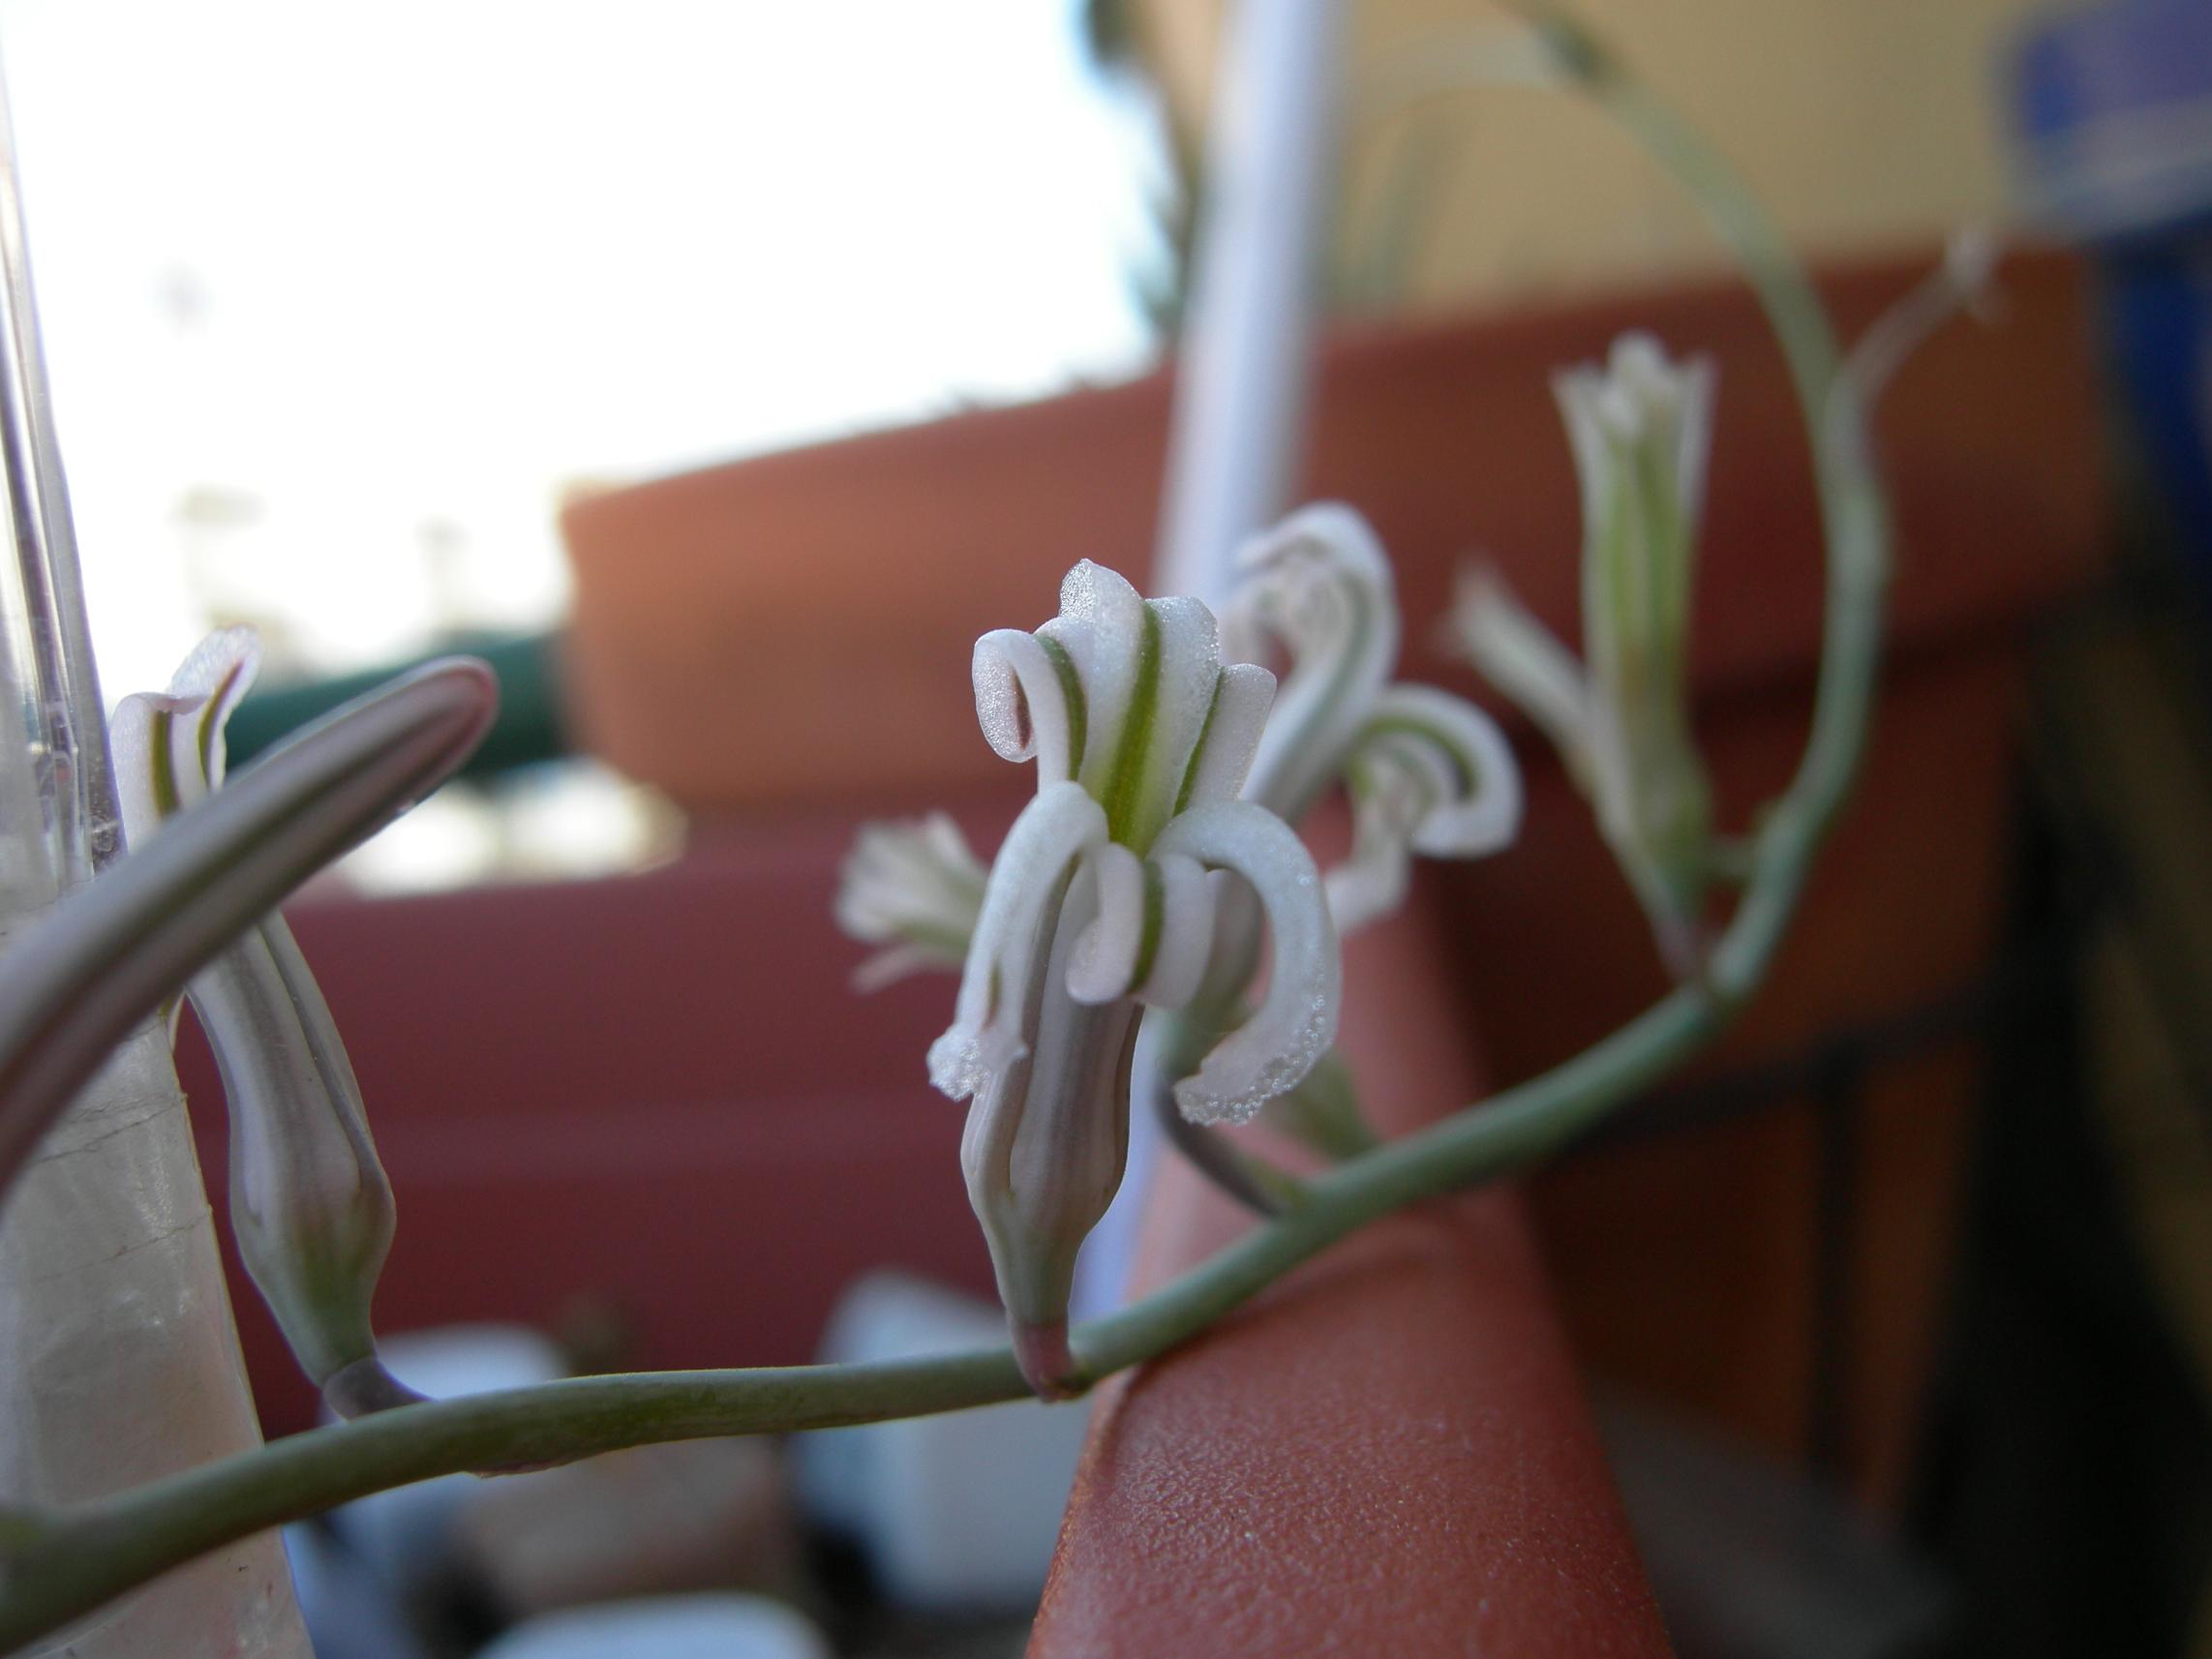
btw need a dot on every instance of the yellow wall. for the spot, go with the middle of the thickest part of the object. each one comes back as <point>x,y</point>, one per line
<point>1865,125</point>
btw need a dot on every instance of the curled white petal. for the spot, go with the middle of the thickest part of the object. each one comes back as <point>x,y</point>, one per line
<point>1023,703</point>
<point>1296,1021</point>
<point>156,773</point>
<point>1521,657</point>
<point>1233,732</point>
<point>1186,932</point>
<point>168,746</point>
<point>1104,962</point>
<point>1027,883</point>
<point>1101,627</point>
<point>1320,583</point>
<point>1392,787</point>
<point>1480,810</point>
<point>1127,696</point>
<point>1431,774</point>
<point>222,668</point>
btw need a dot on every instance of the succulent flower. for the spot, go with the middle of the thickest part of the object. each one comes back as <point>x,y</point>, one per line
<point>915,889</point>
<point>1427,773</point>
<point>310,1204</point>
<point>1102,903</point>
<point>1136,878</point>
<point>1640,428</point>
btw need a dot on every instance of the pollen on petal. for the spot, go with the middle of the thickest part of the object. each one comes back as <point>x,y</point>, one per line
<point>966,1056</point>
<point>1296,1021</point>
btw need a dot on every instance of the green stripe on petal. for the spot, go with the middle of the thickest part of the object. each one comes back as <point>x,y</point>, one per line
<point>1155,912</point>
<point>1234,723</point>
<point>1123,793</point>
<point>1072,690</point>
<point>1320,583</point>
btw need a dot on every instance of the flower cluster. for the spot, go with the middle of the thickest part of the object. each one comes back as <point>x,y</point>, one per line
<point>1101,903</point>
<point>1138,878</point>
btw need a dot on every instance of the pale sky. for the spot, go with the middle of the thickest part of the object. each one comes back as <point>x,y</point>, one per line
<point>343,272</point>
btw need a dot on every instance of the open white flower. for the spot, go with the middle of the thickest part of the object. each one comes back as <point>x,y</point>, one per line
<point>309,1203</point>
<point>1427,773</point>
<point>1102,903</point>
<point>1640,430</point>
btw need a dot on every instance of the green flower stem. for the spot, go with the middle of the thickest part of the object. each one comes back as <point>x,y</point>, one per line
<point>65,1563</point>
<point>1854,514</point>
<point>80,1557</point>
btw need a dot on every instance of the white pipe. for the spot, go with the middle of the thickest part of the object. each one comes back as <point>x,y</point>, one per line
<point>1269,182</point>
<point>1234,444</point>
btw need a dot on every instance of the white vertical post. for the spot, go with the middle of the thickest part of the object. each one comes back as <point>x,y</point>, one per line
<point>1240,397</point>
<point>1269,183</point>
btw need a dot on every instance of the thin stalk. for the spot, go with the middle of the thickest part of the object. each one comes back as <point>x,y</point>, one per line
<point>77,1559</point>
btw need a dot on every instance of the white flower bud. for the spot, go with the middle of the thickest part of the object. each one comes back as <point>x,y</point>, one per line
<point>1640,428</point>
<point>310,1204</point>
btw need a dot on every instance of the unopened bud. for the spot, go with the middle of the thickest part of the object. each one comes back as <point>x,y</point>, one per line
<point>310,1204</point>
<point>1640,430</point>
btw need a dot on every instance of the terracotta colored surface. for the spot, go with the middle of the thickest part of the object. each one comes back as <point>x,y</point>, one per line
<point>650,1104</point>
<point>703,601</point>
<point>1385,1454</point>
<point>1685,1264</point>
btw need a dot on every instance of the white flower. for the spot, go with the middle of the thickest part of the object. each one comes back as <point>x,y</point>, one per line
<point>1101,903</point>
<point>1138,879</point>
<point>311,1206</point>
<point>914,887</point>
<point>1427,773</point>
<point>1640,431</point>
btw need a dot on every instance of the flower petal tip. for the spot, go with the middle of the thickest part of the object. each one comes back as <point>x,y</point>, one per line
<point>1233,1094</point>
<point>966,1058</point>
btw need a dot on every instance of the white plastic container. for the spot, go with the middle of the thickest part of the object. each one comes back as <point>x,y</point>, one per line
<point>958,1511</point>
